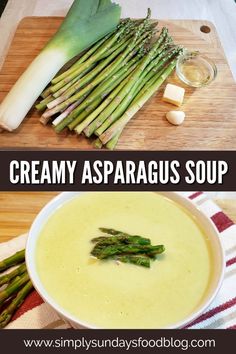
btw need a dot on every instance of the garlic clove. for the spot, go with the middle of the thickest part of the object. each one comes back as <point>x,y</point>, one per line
<point>175,117</point>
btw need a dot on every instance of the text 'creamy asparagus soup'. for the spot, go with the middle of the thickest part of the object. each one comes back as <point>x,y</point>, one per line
<point>125,260</point>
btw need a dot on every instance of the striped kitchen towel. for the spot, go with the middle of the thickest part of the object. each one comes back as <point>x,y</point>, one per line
<point>35,314</point>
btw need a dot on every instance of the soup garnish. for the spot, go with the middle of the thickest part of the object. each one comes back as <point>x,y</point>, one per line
<point>125,248</point>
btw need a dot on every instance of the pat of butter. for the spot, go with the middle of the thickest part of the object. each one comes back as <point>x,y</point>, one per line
<point>174,94</point>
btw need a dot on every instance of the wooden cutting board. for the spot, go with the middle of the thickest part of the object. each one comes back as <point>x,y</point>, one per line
<point>210,112</point>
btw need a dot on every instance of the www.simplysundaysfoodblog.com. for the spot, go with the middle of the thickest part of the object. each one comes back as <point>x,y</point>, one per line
<point>127,344</point>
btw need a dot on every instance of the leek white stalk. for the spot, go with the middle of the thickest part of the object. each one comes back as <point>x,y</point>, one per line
<point>28,88</point>
<point>86,23</point>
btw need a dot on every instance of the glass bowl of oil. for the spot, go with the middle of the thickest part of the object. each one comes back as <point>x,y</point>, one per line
<point>195,69</point>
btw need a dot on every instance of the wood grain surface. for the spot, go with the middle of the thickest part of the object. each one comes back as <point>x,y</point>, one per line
<point>210,111</point>
<point>18,210</point>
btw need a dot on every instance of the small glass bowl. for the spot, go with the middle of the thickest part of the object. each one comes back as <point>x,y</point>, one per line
<point>196,70</point>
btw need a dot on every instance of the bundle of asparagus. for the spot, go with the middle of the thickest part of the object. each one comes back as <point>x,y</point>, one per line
<point>102,91</point>
<point>125,248</point>
<point>14,286</point>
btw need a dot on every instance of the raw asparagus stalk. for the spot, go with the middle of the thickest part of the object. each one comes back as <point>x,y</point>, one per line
<point>102,50</point>
<point>60,86</point>
<point>124,28</point>
<point>125,97</point>
<point>102,92</point>
<point>105,55</point>
<point>63,101</point>
<point>113,142</point>
<point>6,278</point>
<point>81,60</point>
<point>136,92</point>
<point>127,116</point>
<point>43,104</point>
<point>17,258</point>
<point>103,115</point>
<point>122,105</point>
<point>148,80</point>
<point>116,108</point>
<point>79,128</point>
<point>87,110</point>
<point>97,144</point>
<point>110,83</point>
<point>65,113</point>
<point>13,288</point>
<point>150,28</point>
<point>104,89</point>
<point>117,45</point>
<point>64,88</point>
<point>121,60</point>
<point>86,79</point>
<point>9,311</point>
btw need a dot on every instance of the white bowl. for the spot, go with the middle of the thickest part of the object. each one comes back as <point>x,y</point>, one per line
<point>206,224</point>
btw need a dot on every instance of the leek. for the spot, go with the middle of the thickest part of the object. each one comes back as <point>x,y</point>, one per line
<point>87,22</point>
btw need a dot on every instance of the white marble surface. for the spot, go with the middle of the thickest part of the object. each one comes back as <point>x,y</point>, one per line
<point>221,12</point>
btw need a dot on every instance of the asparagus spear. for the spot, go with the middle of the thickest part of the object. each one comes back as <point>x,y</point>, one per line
<point>109,107</point>
<point>58,89</point>
<point>8,312</point>
<point>66,112</point>
<point>62,86</point>
<point>127,116</point>
<point>103,48</point>
<point>58,104</point>
<point>73,67</point>
<point>98,144</point>
<point>156,72</point>
<point>121,238</point>
<point>113,142</point>
<point>18,257</point>
<point>112,250</point>
<point>43,104</point>
<point>129,28</point>
<point>6,278</point>
<point>79,128</point>
<point>142,261</point>
<point>81,60</point>
<point>121,102</point>
<point>143,87</point>
<point>100,93</point>
<point>140,36</point>
<point>103,90</point>
<point>127,93</point>
<point>86,79</point>
<point>127,35</point>
<point>13,288</point>
<point>112,232</point>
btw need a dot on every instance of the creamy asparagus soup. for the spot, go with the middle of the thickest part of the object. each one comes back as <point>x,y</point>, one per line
<point>111,294</point>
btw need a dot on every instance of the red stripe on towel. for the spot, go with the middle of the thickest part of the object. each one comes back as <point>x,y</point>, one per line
<point>221,221</point>
<point>195,195</point>
<point>33,300</point>
<point>232,327</point>
<point>230,262</point>
<point>214,312</point>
